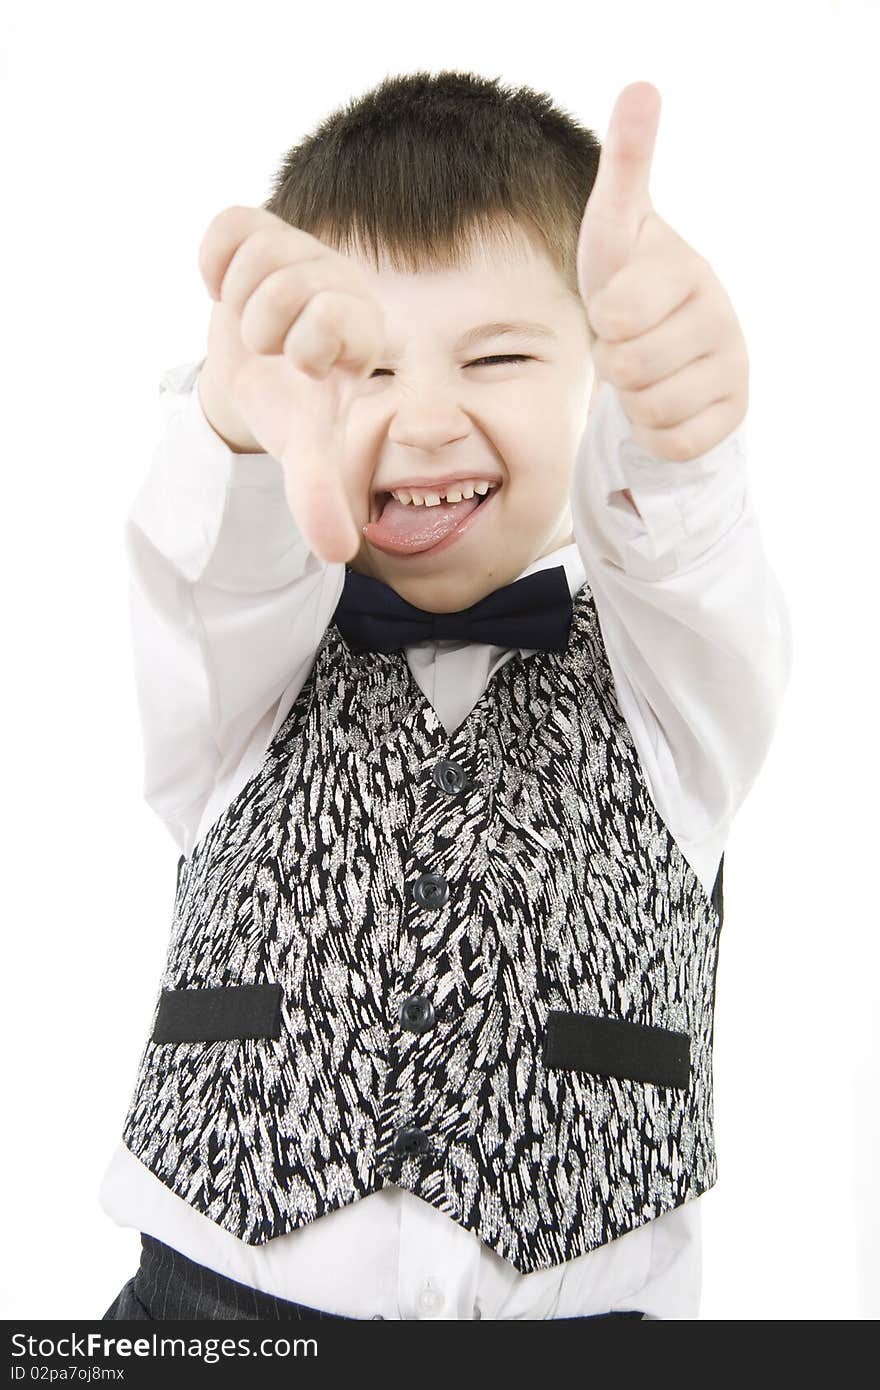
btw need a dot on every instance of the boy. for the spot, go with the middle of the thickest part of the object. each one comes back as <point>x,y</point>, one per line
<point>451,778</point>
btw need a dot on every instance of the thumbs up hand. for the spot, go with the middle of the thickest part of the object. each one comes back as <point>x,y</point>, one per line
<point>662,329</point>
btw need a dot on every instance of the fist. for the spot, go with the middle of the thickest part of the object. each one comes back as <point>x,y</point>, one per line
<point>294,331</point>
<point>662,329</point>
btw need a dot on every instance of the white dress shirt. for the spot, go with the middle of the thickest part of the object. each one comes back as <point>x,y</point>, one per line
<point>228,608</point>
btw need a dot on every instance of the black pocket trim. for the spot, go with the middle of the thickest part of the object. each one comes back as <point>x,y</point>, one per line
<point>616,1047</point>
<point>219,1014</point>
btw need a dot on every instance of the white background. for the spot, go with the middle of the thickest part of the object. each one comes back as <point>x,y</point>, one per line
<point>125,130</point>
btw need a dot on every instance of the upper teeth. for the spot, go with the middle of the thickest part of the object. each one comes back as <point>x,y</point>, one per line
<point>419,497</point>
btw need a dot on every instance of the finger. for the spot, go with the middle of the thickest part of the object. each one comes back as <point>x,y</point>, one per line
<point>276,303</point>
<point>639,297</point>
<point>336,329</point>
<point>243,245</point>
<point>690,439</point>
<point>223,236</point>
<point>313,477</point>
<point>632,364</point>
<point>266,251</point>
<point>681,395</point>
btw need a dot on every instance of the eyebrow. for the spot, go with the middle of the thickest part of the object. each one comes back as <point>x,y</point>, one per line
<point>521,328</point>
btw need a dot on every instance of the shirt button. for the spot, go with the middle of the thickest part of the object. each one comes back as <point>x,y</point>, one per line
<point>417,1014</point>
<point>430,1299</point>
<point>431,890</point>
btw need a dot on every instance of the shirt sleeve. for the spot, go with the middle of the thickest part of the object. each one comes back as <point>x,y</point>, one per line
<point>695,624</point>
<point>227,603</point>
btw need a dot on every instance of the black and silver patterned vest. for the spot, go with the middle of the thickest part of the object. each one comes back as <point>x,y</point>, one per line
<point>477,966</point>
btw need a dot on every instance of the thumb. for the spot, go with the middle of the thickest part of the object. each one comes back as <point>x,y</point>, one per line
<point>300,420</point>
<point>313,466</point>
<point>620,197</point>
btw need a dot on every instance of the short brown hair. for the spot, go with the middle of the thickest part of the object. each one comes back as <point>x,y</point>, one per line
<point>424,167</point>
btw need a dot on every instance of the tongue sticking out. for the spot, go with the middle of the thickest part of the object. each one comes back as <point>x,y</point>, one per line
<point>404,530</point>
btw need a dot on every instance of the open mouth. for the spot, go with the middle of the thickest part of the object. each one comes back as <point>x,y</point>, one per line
<point>403,530</point>
<point>378,500</point>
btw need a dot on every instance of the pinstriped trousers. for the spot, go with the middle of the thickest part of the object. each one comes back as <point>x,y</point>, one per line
<point>169,1286</point>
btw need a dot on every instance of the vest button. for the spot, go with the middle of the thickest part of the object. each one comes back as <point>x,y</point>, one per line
<point>417,1014</point>
<point>431,890</point>
<point>410,1141</point>
<point>449,776</point>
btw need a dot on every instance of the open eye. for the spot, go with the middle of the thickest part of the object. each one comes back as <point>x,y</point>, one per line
<point>479,362</point>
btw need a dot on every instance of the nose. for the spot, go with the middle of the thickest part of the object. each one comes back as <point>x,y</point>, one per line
<point>427,419</point>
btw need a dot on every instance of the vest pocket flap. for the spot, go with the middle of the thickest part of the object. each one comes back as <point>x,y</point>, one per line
<point>616,1047</point>
<point>219,1014</point>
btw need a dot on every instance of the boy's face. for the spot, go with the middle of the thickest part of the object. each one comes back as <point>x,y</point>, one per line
<point>436,411</point>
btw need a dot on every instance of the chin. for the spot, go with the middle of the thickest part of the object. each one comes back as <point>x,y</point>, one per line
<point>457,588</point>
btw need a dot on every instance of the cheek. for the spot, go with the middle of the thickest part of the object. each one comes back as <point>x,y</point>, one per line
<point>537,463</point>
<point>545,425</point>
<point>534,497</point>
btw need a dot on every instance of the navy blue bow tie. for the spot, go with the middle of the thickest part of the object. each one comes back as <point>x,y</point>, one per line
<point>534,612</point>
